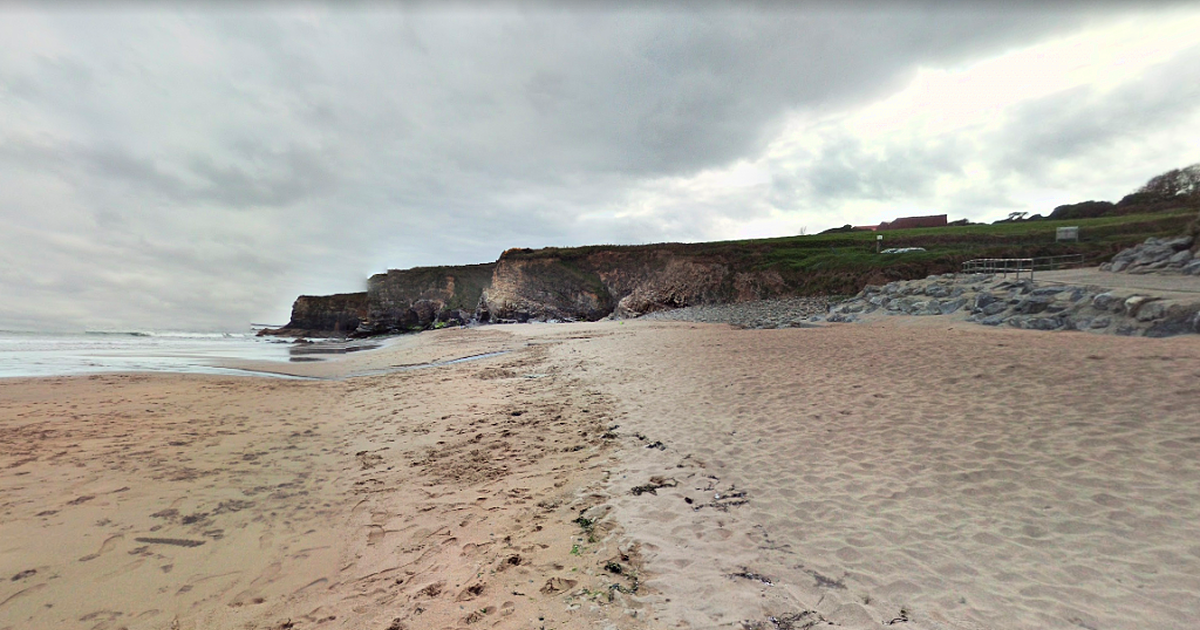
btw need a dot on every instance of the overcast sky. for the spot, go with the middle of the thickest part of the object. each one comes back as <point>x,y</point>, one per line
<point>199,166</point>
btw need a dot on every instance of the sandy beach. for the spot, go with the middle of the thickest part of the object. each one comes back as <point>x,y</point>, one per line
<point>922,473</point>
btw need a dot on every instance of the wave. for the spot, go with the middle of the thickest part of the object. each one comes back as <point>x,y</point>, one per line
<point>170,334</point>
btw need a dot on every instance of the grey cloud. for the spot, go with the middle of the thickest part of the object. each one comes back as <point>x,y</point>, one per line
<point>846,170</point>
<point>1072,123</point>
<point>210,164</point>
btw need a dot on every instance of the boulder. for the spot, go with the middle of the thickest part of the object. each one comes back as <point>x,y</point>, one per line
<point>952,306</point>
<point>1132,304</point>
<point>1106,302</point>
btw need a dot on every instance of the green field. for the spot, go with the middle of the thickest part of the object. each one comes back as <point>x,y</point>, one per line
<point>1100,239</point>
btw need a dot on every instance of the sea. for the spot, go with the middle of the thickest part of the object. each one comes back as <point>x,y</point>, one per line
<point>24,354</point>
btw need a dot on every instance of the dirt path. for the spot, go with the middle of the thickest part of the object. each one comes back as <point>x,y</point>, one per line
<point>1166,286</point>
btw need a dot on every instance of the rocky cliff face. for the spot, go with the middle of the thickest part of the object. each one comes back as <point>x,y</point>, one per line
<point>543,289</point>
<point>404,300</point>
<point>578,284</point>
<point>592,283</point>
<point>324,315</point>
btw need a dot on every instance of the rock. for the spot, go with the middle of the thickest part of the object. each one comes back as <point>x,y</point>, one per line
<point>1051,290</point>
<point>1032,305</point>
<point>994,308</point>
<point>1178,243</point>
<point>938,291</point>
<point>1151,311</point>
<point>983,299</point>
<point>324,315</point>
<point>1155,255</point>
<point>1192,268</point>
<point>1179,319</point>
<point>1106,302</point>
<point>1043,323</point>
<point>1180,258</point>
<point>1133,303</point>
<point>952,306</point>
<point>1017,303</point>
<point>404,300</point>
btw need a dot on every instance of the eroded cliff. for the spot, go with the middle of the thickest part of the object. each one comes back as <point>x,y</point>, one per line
<point>324,315</point>
<point>404,300</point>
<point>592,283</point>
<point>572,284</point>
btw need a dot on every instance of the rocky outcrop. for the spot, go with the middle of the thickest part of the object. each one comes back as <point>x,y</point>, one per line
<point>405,300</point>
<point>1157,255</point>
<point>324,316</point>
<point>592,283</point>
<point>994,301</point>
<point>543,289</point>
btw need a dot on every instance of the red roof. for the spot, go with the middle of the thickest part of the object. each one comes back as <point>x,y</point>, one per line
<point>903,223</point>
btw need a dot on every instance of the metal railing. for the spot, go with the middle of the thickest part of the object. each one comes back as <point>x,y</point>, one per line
<point>1065,261</point>
<point>1003,266</point>
<point>1017,266</point>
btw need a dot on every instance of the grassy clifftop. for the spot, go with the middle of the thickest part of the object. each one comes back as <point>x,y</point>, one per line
<point>842,262</point>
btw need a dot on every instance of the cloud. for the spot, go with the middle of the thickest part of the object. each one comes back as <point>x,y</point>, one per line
<point>199,166</point>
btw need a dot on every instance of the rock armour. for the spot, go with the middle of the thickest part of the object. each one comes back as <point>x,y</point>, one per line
<point>994,301</point>
<point>1157,255</point>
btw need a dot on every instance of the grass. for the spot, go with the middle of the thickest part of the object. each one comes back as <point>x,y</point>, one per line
<point>1101,236</point>
<point>843,262</point>
<point>856,250</point>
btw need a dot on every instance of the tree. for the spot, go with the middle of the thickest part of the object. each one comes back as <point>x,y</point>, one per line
<point>1175,182</point>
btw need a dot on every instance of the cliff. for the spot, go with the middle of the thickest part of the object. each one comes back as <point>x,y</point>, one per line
<point>404,300</point>
<point>324,315</point>
<point>575,284</point>
<point>590,283</point>
<point>594,282</point>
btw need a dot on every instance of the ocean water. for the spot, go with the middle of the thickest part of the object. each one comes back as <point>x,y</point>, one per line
<point>43,354</point>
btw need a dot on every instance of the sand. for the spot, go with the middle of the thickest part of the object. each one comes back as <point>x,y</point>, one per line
<point>920,472</point>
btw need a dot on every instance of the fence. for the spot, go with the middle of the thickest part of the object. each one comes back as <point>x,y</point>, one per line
<point>1017,266</point>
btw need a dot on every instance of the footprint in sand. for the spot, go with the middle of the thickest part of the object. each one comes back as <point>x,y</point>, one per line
<point>269,575</point>
<point>375,534</point>
<point>105,547</point>
<point>21,593</point>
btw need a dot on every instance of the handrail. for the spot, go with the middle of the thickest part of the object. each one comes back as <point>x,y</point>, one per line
<point>1016,266</point>
<point>999,265</point>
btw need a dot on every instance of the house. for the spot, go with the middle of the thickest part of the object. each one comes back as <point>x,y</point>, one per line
<point>904,223</point>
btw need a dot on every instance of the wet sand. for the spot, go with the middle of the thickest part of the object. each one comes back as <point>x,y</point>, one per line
<point>922,472</point>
